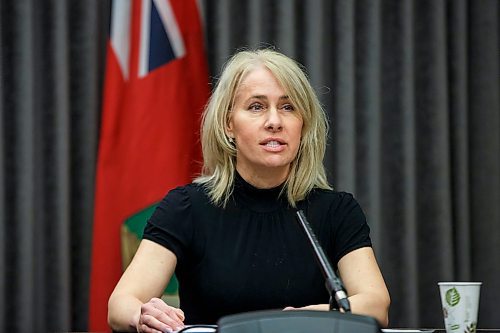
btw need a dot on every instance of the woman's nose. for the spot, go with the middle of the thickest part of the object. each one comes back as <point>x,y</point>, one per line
<point>273,121</point>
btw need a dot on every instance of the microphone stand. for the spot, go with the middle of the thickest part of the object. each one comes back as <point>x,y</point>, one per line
<point>332,282</point>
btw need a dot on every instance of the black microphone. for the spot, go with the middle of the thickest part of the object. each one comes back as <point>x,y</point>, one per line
<point>332,282</point>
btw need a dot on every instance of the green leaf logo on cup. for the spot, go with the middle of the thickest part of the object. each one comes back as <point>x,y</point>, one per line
<point>452,297</point>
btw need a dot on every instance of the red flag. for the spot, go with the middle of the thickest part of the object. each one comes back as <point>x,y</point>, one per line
<point>155,88</point>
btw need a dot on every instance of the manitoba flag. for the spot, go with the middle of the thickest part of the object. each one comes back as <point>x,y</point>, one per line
<point>156,85</point>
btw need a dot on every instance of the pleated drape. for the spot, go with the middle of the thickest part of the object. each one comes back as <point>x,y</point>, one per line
<point>52,55</point>
<point>411,89</point>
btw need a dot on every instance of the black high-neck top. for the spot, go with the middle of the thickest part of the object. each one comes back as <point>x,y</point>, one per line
<point>252,255</point>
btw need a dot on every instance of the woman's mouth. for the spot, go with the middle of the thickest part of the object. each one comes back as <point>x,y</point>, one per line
<point>273,144</point>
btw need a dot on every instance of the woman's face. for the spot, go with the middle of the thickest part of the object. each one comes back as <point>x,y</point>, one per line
<point>266,127</point>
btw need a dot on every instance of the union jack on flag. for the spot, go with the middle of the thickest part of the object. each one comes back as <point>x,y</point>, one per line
<point>158,24</point>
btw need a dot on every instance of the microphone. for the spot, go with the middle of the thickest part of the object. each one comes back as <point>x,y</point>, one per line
<point>332,282</point>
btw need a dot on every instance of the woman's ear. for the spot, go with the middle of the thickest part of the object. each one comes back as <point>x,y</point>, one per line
<point>229,128</point>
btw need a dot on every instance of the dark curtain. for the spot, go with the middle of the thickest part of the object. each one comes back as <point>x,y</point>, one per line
<point>52,57</point>
<point>411,88</point>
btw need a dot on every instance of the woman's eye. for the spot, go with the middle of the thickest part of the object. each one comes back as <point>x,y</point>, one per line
<point>288,107</point>
<point>255,107</point>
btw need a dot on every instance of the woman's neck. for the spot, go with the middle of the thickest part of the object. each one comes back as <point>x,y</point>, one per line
<point>264,179</point>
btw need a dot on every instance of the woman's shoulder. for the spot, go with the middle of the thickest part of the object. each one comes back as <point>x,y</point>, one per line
<point>191,191</point>
<point>332,200</point>
<point>180,201</point>
<point>330,195</point>
<point>340,206</point>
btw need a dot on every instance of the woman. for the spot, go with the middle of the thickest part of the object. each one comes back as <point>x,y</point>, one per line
<point>231,236</point>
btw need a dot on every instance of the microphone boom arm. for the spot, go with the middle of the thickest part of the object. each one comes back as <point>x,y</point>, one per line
<point>332,282</point>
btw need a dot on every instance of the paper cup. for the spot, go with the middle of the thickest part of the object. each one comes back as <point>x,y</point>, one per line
<point>460,301</point>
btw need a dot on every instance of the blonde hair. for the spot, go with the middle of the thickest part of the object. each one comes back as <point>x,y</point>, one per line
<point>219,153</point>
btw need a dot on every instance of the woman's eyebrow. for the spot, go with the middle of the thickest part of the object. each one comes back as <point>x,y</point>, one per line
<point>264,97</point>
